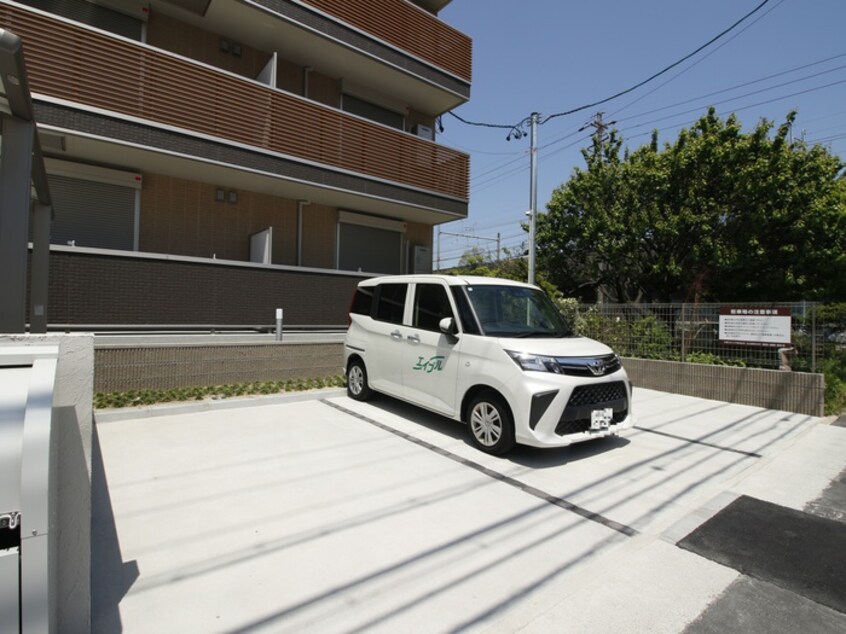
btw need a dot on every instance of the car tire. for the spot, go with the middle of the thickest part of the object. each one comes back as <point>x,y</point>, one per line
<point>489,424</point>
<point>357,386</point>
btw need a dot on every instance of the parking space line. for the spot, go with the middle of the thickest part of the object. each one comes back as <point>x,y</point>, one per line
<point>751,454</point>
<point>526,488</point>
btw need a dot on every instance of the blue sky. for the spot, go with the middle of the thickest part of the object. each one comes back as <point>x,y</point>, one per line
<point>550,56</point>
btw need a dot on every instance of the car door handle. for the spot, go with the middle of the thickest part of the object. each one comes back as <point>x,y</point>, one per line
<point>397,335</point>
<point>414,338</point>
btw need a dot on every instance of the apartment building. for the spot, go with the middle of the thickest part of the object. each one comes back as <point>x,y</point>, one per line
<point>212,160</point>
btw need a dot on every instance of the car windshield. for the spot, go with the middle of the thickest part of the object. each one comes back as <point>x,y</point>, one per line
<point>516,311</point>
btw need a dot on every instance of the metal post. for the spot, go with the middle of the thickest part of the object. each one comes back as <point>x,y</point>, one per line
<point>533,197</point>
<point>498,246</point>
<point>15,187</point>
<point>40,267</point>
<point>814,337</point>
<point>438,252</point>
<point>278,324</point>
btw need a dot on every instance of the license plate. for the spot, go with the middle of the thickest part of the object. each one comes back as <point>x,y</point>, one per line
<point>601,418</point>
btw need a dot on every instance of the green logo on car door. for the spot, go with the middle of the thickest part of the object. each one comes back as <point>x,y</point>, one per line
<point>430,365</point>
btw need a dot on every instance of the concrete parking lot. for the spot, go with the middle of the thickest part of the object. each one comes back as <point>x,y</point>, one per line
<point>327,515</point>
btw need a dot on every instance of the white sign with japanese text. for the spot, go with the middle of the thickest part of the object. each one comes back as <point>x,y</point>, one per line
<point>755,326</point>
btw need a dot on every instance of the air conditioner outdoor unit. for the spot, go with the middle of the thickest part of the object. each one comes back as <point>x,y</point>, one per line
<point>423,131</point>
<point>422,259</point>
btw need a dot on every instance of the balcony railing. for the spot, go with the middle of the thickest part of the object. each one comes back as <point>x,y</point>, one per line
<point>407,27</point>
<point>72,62</point>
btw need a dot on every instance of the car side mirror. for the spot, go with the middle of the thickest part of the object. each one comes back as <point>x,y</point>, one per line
<point>448,327</point>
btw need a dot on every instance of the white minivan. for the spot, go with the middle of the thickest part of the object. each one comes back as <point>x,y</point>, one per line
<point>492,352</point>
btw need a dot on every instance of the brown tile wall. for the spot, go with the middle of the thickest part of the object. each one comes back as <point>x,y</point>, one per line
<point>93,289</point>
<point>173,35</point>
<point>178,37</point>
<point>319,236</point>
<point>418,234</point>
<point>183,217</point>
<point>324,89</point>
<point>289,77</point>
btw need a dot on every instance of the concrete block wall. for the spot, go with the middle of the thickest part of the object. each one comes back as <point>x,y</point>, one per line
<point>799,392</point>
<point>163,367</point>
<point>170,366</point>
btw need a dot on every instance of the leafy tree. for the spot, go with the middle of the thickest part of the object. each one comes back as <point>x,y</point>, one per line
<point>476,262</point>
<point>718,214</point>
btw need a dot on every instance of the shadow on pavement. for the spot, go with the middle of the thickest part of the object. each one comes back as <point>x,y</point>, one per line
<point>111,577</point>
<point>534,457</point>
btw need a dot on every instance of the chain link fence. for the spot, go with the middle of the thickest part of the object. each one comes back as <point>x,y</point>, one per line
<point>691,332</point>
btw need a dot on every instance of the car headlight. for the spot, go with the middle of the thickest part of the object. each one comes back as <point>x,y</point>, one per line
<point>535,362</point>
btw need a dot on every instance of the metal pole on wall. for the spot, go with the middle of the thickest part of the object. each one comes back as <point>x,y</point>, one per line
<point>814,337</point>
<point>533,197</point>
<point>278,324</point>
<point>41,217</point>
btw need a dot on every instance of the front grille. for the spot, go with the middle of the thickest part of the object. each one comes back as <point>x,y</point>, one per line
<point>581,366</point>
<point>586,398</point>
<point>598,393</point>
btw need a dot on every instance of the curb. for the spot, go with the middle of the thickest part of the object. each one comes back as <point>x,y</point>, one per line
<point>211,405</point>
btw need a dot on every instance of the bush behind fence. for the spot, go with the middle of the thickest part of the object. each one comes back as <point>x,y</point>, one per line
<point>690,333</point>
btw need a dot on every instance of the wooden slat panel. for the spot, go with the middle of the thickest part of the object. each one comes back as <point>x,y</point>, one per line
<point>74,63</point>
<point>408,27</point>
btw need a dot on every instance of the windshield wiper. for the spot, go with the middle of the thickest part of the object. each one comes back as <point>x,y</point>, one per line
<point>554,334</point>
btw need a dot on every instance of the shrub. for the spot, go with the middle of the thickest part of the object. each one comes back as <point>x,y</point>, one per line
<point>650,339</point>
<point>834,368</point>
<point>136,398</point>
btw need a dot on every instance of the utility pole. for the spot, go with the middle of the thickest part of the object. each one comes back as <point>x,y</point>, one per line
<point>599,136</point>
<point>533,196</point>
<point>438,256</point>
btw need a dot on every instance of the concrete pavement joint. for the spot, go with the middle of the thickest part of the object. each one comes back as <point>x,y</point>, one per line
<point>542,495</point>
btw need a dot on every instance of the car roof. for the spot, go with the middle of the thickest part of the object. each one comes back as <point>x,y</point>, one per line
<point>452,280</point>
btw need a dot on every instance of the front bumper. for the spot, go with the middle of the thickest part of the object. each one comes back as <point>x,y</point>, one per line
<point>555,411</point>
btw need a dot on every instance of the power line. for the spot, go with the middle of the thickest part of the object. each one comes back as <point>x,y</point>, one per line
<point>660,72</point>
<point>523,154</point>
<point>700,60</point>
<point>472,151</point>
<point>493,181</point>
<point>717,92</point>
<point>516,129</point>
<point>748,94</point>
<point>827,139</point>
<point>746,107</point>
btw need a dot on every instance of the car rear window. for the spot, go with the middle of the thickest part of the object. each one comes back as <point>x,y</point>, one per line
<point>362,301</point>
